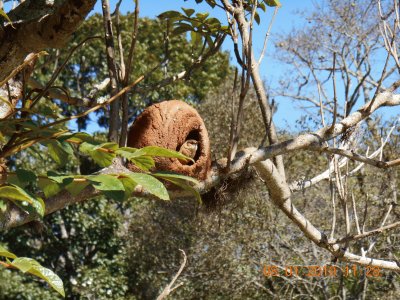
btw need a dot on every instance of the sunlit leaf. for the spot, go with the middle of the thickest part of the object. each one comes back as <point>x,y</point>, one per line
<point>75,187</point>
<point>144,163</point>
<point>59,151</point>
<point>29,265</point>
<point>181,181</point>
<point>49,187</point>
<point>4,15</point>
<point>129,186</point>
<point>109,185</point>
<point>101,154</point>
<point>151,184</point>
<point>13,192</point>
<point>161,152</point>
<point>20,197</point>
<point>188,11</point>
<point>5,253</point>
<point>273,3</point>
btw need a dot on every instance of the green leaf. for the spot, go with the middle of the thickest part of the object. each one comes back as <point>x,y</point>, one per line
<point>59,151</point>
<point>196,38</point>
<point>105,182</point>
<point>211,3</point>
<point>26,175</point>
<point>4,15</point>
<point>49,187</point>
<point>99,153</point>
<point>257,18</point>
<point>144,163</point>
<point>20,197</point>
<point>5,253</point>
<point>75,187</point>
<point>33,267</point>
<point>151,184</point>
<point>14,180</point>
<point>126,152</point>
<point>182,28</point>
<point>38,205</point>
<point>129,186</point>
<point>202,16</point>
<point>142,157</point>
<point>273,3</point>
<point>171,14</point>
<point>166,175</point>
<point>183,184</point>
<point>162,152</point>
<point>78,137</point>
<point>188,11</point>
<point>108,146</point>
<point>181,181</point>
<point>3,207</point>
<point>60,179</point>
<point>13,192</point>
<point>109,185</point>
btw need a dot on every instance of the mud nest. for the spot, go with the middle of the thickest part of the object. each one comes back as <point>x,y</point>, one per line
<point>169,124</point>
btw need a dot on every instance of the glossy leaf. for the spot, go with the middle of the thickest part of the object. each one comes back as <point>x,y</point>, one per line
<point>13,192</point>
<point>99,153</point>
<point>188,11</point>
<point>150,184</point>
<point>26,175</point>
<point>109,185</point>
<point>167,175</point>
<point>20,197</point>
<point>49,187</point>
<point>59,151</point>
<point>75,187</point>
<point>106,182</point>
<point>144,163</point>
<point>129,186</point>
<point>4,15</point>
<point>273,3</point>
<point>5,253</point>
<point>181,181</point>
<point>29,265</point>
<point>183,184</point>
<point>161,152</point>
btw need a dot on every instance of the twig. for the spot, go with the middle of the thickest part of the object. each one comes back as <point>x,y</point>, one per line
<point>267,35</point>
<point>351,154</point>
<point>114,118</point>
<point>168,289</point>
<point>334,92</point>
<point>126,78</point>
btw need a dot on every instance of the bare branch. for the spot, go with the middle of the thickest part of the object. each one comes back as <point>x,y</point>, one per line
<point>169,288</point>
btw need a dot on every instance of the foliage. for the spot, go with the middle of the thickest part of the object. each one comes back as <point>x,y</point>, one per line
<point>31,266</point>
<point>155,46</point>
<point>120,247</point>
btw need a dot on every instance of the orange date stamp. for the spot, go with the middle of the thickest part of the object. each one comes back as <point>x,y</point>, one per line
<point>321,271</point>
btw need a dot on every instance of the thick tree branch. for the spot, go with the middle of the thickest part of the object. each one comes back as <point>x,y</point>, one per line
<point>50,29</point>
<point>249,156</point>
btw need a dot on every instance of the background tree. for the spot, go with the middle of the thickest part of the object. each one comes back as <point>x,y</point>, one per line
<point>323,196</point>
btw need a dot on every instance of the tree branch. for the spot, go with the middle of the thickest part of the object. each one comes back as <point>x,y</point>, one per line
<point>50,29</point>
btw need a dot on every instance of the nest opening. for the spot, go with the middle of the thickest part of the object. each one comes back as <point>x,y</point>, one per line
<point>193,135</point>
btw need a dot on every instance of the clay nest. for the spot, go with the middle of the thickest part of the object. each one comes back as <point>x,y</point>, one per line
<point>169,124</point>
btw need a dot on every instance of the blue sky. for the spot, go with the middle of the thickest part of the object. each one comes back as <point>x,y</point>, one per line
<point>270,69</point>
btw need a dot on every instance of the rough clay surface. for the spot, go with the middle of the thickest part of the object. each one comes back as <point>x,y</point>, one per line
<point>169,124</point>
